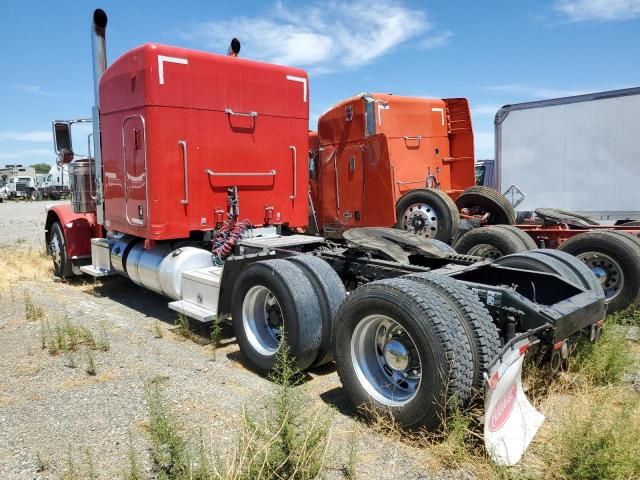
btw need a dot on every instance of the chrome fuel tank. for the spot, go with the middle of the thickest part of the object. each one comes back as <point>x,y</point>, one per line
<point>160,268</point>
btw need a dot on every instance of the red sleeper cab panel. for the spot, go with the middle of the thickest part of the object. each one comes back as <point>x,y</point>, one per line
<point>160,102</point>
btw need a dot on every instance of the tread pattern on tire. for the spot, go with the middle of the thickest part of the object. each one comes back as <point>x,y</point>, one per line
<point>506,241</point>
<point>66,269</point>
<point>449,335</point>
<point>479,327</point>
<point>626,236</point>
<point>527,241</point>
<point>331,293</point>
<point>472,195</point>
<point>309,322</point>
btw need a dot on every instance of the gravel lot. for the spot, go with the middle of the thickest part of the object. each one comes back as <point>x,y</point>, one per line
<point>50,412</point>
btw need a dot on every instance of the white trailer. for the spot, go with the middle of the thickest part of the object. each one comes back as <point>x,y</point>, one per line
<point>578,153</point>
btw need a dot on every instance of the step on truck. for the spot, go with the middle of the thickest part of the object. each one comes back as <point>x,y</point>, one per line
<point>414,328</point>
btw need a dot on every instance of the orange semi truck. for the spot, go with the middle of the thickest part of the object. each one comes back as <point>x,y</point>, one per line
<point>388,160</point>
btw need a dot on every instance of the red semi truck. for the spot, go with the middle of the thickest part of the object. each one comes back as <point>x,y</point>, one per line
<point>421,324</point>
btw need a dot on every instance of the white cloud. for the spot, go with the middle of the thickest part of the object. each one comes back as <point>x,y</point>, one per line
<point>34,155</point>
<point>32,136</point>
<point>538,93</point>
<point>34,90</point>
<point>598,10</point>
<point>323,36</point>
<point>437,41</point>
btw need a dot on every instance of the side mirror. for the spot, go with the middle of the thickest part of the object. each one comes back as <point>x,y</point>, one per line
<point>62,137</point>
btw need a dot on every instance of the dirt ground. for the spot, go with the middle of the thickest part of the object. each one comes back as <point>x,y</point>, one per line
<point>52,413</point>
<point>57,418</point>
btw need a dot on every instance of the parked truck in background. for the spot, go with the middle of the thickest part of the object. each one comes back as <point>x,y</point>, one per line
<point>55,184</point>
<point>485,173</point>
<point>22,187</point>
<point>579,153</point>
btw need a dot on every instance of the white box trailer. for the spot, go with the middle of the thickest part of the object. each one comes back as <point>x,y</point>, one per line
<point>579,153</point>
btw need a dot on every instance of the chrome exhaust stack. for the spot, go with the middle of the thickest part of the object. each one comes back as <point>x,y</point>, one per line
<point>99,52</point>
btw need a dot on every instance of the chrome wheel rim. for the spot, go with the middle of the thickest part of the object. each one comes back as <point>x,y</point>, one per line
<point>262,320</point>
<point>420,219</point>
<point>607,270</point>
<point>485,251</point>
<point>386,360</point>
<point>55,250</point>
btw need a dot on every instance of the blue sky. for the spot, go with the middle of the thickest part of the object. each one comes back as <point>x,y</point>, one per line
<point>492,52</point>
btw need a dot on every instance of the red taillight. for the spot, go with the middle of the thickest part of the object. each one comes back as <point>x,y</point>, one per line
<point>523,349</point>
<point>599,323</point>
<point>558,345</point>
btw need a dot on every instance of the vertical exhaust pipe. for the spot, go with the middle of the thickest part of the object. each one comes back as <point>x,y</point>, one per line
<point>99,53</point>
<point>98,49</point>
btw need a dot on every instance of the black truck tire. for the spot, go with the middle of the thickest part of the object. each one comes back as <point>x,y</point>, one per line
<point>270,297</point>
<point>58,250</point>
<point>525,238</point>
<point>330,292</point>
<point>444,247</point>
<point>615,259</point>
<point>539,262</point>
<point>406,313</point>
<point>490,242</point>
<point>475,318</point>
<point>627,236</point>
<point>481,200</point>
<point>429,213</point>
<point>587,277</point>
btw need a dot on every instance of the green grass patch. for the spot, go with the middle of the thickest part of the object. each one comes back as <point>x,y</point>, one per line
<point>284,441</point>
<point>604,362</point>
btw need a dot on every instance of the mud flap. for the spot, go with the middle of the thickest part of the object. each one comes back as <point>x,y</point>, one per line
<point>511,421</point>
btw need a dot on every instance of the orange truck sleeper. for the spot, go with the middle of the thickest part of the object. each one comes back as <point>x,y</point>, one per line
<point>370,150</point>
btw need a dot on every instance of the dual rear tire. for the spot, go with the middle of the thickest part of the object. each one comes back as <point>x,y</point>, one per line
<point>295,299</point>
<point>612,256</point>
<point>414,347</point>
